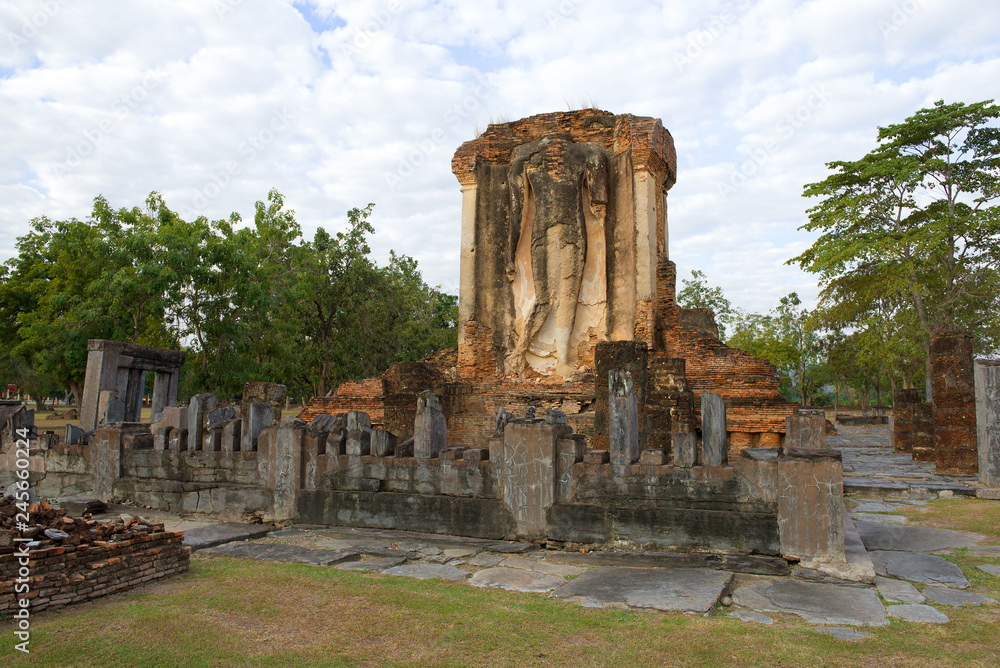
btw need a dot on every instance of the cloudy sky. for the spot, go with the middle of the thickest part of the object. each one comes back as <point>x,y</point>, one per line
<point>337,104</point>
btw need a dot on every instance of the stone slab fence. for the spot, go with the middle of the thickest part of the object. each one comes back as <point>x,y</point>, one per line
<point>987,380</point>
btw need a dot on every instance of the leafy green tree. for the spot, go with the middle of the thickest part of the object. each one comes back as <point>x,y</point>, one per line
<point>915,221</point>
<point>697,293</point>
<point>787,337</point>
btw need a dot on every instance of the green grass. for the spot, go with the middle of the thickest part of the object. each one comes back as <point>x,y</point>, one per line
<point>976,515</point>
<point>241,613</point>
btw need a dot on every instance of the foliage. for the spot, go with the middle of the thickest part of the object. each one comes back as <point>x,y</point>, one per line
<point>697,293</point>
<point>785,336</point>
<point>246,302</point>
<point>911,234</point>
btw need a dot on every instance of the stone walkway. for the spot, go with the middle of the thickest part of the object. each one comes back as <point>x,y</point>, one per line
<point>872,468</point>
<point>913,583</point>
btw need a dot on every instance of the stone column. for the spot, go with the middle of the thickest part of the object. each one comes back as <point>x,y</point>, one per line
<point>359,434</point>
<point>623,417</point>
<point>987,376</point>
<point>806,428</point>
<point>134,389</point>
<point>430,430</point>
<point>714,443</point>
<point>630,356</point>
<point>685,448</point>
<point>810,505</point>
<point>903,401</point>
<point>285,454</point>
<point>102,374</point>
<point>256,417</point>
<point>923,432</point>
<point>161,395</point>
<point>383,443</point>
<point>200,405</point>
<point>954,397</point>
<point>526,470</point>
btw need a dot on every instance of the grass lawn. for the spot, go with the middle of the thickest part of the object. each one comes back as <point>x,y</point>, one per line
<point>228,612</point>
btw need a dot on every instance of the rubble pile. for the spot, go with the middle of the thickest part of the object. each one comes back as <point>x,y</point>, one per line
<point>72,530</point>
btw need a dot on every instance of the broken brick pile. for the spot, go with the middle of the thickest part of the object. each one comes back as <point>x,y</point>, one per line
<point>97,559</point>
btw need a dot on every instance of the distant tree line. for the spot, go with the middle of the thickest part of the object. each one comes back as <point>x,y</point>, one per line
<point>910,236</point>
<point>247,302</point>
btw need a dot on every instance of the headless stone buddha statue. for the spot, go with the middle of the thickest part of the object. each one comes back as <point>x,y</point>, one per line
<point>552,182</point>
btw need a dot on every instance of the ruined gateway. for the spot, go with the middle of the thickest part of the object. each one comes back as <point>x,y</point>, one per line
<point>566,290</point>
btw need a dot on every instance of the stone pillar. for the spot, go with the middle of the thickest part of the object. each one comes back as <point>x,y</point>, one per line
<point>284,454</point>
<point>200,405</point>
<point>359,434</point>
<point>107,446</point>
<point>714,443</point>
<point>383,443</point>
<point>430,430</point>
<point>810,505</point>
<point>954,397</point>
<point>256,417</point>
<point>102,374</point>
<point>987,376</point>
<point>806,429</point>
<point>164,393</point>
<point>231,436</point>
<point>526,470</point>
<point>134,389</point>
<point>903,401</point>
<point>630,356</point>
<point>685,448</point>
<point>623,418</point>
<point>923,432</point>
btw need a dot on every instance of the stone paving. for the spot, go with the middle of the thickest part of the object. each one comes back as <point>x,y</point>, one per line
<point>878,483</point>
<point>872,468</point>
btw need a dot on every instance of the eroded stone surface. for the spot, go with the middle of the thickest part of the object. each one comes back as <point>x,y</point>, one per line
<point>560,570</point>
<point>878,536</point>
<point>850,635</point>
<point>898,591</point>
<point>282,552</point>
<point>992,569</point>
<point>516,579</point>
<point>915,567</point>
<point>377,564</point>
<point>816,603</point>
<point>485,560</point>
<point>750,616</point>
<point>956,599</point>
<point>923,614</point>
<point>217,534</point>
<point>428,571</point>
<point>669,589</point>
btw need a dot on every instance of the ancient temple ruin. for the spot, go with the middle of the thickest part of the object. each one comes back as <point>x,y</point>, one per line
<point>581,407</point>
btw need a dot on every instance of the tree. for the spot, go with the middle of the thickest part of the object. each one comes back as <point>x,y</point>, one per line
<point>697,293</point>
<point>915,222</point>
<point>786,337</point>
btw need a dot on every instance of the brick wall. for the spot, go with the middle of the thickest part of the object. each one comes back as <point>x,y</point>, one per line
<point>66,574</point>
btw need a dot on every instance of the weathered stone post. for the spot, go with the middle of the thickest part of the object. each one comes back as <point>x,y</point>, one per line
<point>526,471</point>
<point>903,401</point>
<point>279,463</point>
<point>631,356</point>
<point>359,434</point>
<point>198,408</point>
<point>256,417</point>
<point>714,445</point>
<point>685,448</point>
<point>987,377</point>
<point>623,425</point>
<point>810,505</point>
<point>806,429</point>
<point>383,443</point>
<point>430,430</point>
<point>954,396</point>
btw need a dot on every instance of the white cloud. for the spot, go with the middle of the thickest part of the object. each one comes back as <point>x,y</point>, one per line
<point>377,95</point>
